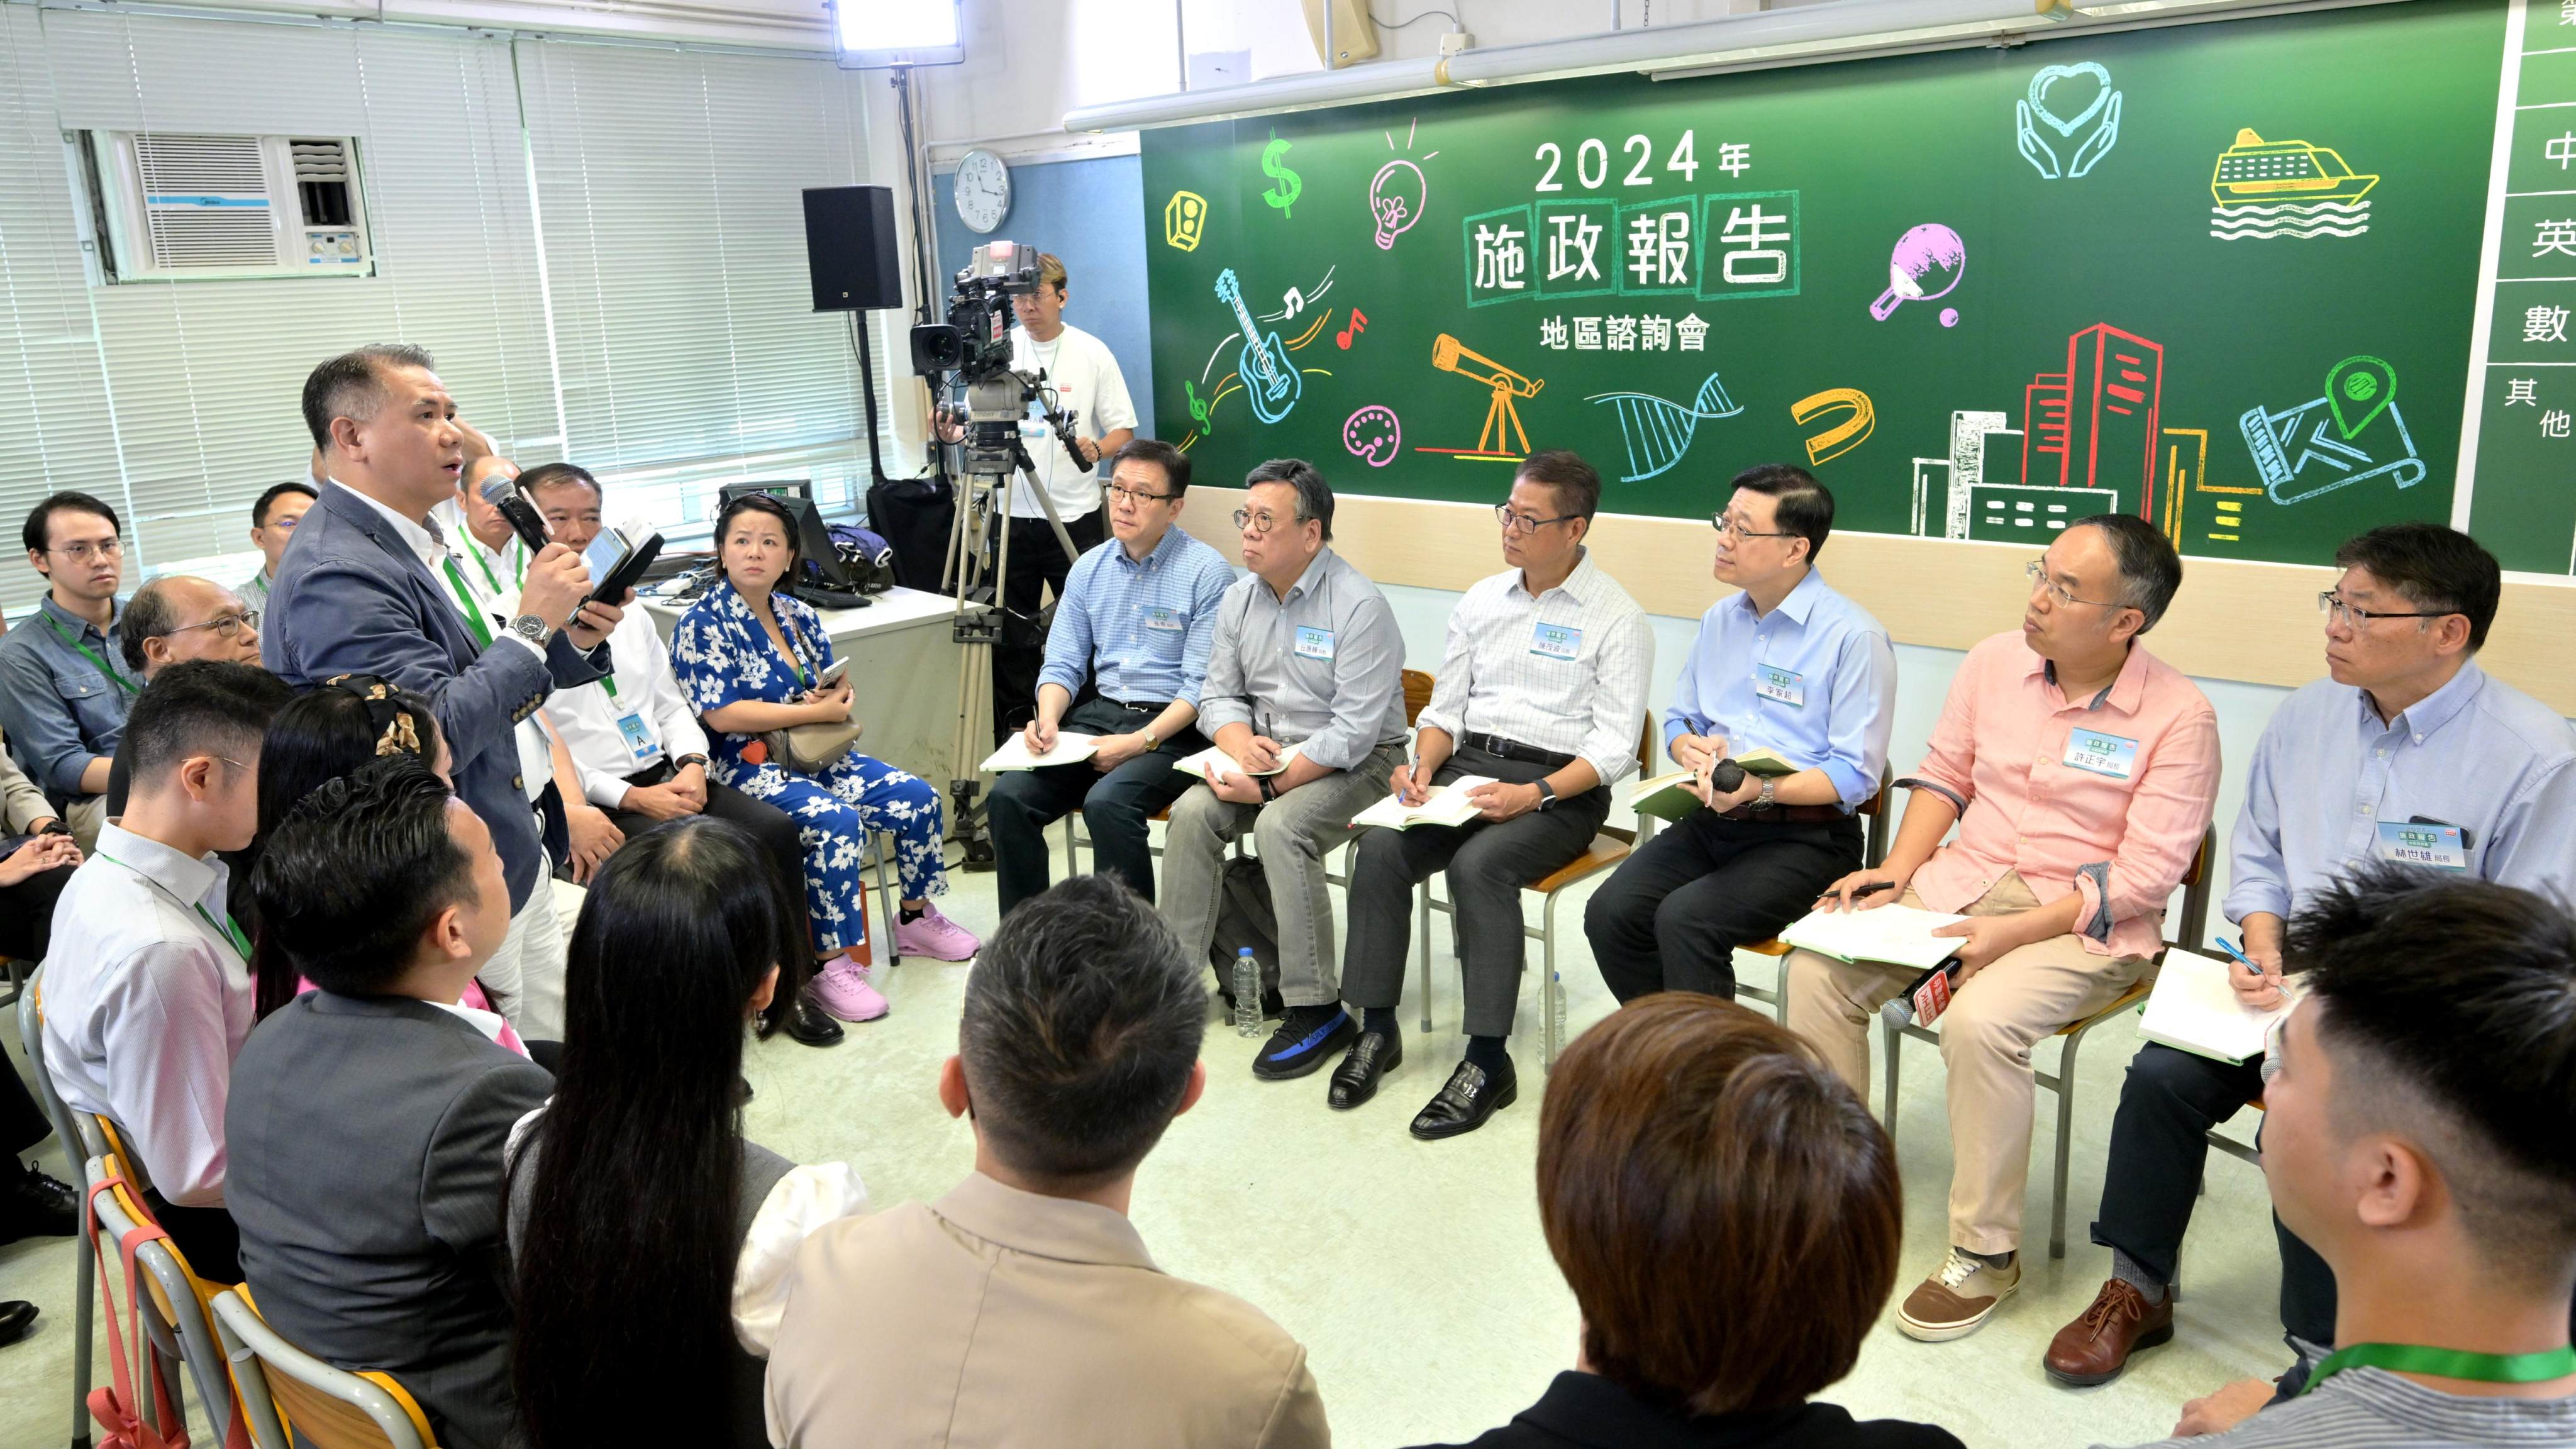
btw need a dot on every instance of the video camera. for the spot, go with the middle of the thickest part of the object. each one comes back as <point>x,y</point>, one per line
<point>970,355</point>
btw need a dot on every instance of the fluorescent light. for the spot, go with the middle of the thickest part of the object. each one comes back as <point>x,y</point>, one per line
<point>1380,80</point>
<point>877,33</point>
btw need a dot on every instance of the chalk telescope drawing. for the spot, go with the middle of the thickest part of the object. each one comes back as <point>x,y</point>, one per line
<point>1285,185</point>
<point>2268,189</point>
<point>1398,192</point>
<point>2085,82</point>
<point>1657,430</point>
<point>1184,220</point>
<point>1271,383</point>
<point>1374,435</point>
<point>1844,436</point>
<point>2353,434</point>
<point>1502,416</point>
<point>1927,263</point>
<point>1294,300</point>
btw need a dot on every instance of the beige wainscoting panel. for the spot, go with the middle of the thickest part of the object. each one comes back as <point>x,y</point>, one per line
<point>2256,622</point>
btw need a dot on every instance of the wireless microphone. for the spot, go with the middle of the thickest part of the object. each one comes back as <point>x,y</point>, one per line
<point>1926,999</point>
<point>522,518</point>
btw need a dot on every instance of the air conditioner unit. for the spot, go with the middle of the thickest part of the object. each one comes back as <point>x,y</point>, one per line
<point>195,206</point>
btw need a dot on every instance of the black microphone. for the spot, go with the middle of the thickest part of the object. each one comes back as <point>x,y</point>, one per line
<point>1726,777</point>
<point>523,519</point>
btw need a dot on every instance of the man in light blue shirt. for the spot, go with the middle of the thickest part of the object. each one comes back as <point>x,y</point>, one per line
<point>1136,622</point>
<point>2407,752</point>
<point>64,684</point>
<point>1788,665</point>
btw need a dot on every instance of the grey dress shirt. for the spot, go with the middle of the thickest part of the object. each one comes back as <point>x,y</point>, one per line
<point>1324,666</point>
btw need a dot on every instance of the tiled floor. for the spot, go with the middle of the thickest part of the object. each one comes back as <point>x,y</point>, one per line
<point>1415,1272</point>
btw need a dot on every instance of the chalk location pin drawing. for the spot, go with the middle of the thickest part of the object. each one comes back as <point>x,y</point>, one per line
<point>2358,389</point>
<point>1928,262</point>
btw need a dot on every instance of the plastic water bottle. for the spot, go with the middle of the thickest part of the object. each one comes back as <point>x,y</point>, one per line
<point>1247,994</point>
<point>1556,1007</point>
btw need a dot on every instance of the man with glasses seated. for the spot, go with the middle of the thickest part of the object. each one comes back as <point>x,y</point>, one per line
<point>2081,771</point>
<point>64,685</point>
<point>1541,690</point>
<point>172,619</point>
<point>1786,664</point>
<point>1305,697</point>
<point>2407,752</point>
<point>1125,661</point>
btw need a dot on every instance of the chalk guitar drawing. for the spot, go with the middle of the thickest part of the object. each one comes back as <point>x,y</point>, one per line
<point>2084,88</point>
<point>1658,431</point>
<point>1373,434</point>
<point>1184,220</point>
<point>1927,264</point>
<point>1844,436</point>
<point>2267,189</point>
<point>2298,460</point>
<point>1271,384</point>
<point>1285,185</point>
<point>1398,192</point>
<point>1502,416</point>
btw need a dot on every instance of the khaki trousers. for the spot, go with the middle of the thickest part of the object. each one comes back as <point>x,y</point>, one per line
<point>1986,1036</point>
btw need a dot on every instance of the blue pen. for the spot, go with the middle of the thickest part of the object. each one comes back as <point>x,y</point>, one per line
<point>2229,947</point>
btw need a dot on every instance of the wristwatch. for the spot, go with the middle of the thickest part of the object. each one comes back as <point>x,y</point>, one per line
<point>1546,796</point>
<point>1766,800</point>
<point>685,761</point>
<point>1268,790</point>
<point>1147,736</point>
<point>532,628</point>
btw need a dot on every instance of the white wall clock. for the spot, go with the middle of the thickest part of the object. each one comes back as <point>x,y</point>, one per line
<point>983,190</point>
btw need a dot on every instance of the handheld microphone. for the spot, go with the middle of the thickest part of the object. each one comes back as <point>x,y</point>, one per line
<point>523,519</point>
<point>1726,777</point>
<point>1926,999</point>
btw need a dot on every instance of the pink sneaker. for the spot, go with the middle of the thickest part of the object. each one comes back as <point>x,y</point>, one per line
<point>935,936</point>
<point>841,987</point>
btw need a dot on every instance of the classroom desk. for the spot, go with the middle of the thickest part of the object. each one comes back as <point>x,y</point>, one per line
<point>904,666</point>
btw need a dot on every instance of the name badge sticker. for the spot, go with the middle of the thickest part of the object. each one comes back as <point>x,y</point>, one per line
<point>2438,846</point>
<point>1314,643</point>
<point>2101,754</point>
<point>639,740</point>
<point>1555,641</point>
<point>1166,619</point>
<point>1780,686</point>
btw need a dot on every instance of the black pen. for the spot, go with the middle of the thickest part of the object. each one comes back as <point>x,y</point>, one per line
<point>1873,888</point>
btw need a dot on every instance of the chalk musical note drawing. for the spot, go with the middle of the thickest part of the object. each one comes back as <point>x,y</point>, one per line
<point>1199,406</point>
<point>1373,435</point>
<point>1926,265</point>
<point>2101,109</point>
<point>2369,438</point>
<point>2267,189</point>
<point>1398,193</point>
<point>1293,299</point>
<point>1657,430</point>
<point>1184,220</point>
<point>1357,325</point>
<point>1502,415</point>
<point>1844,436</point>
<point>1271,383</point>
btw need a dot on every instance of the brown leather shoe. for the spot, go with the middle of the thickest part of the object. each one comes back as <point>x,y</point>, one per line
<point>2096,1346</point>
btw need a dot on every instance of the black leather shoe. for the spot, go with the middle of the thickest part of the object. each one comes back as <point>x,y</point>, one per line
<point>35,1205</point>
<point>1374,1055</point>
<point>812,1025</point>
<point>1471,1096</point>
<point>16,1317</point>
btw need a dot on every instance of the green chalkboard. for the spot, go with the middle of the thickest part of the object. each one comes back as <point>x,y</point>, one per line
<point>2223,276</point>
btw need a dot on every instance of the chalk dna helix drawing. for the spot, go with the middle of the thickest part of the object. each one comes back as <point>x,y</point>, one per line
<point>1658,431</point>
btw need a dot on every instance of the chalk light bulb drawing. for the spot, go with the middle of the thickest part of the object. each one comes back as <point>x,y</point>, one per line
<point>1395,199</point>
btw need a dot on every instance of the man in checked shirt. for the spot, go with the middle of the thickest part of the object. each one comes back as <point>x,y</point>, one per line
<point>1541,691</point>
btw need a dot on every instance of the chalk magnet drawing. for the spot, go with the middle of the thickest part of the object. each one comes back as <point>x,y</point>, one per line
<point>1844,436</point>
<point>1373,435</point>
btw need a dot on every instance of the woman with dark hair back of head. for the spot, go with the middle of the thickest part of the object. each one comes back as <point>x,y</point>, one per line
<point>650,1240</point>
<point>1728,1215</point>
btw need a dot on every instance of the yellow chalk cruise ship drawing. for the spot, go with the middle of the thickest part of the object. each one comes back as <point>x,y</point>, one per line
<point>2269,189</point>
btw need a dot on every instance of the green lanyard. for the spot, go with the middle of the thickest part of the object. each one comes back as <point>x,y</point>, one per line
<point>465,601</point>
<point>228,928</point>
<point>609,681</point>
<point>91,655</point>
<point>2449,1363</point>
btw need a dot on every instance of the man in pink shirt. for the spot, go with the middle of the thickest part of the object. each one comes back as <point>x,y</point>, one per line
<point>2081,771</point>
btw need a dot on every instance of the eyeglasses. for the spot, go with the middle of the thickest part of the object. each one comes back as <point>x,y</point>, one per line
<point>226,626</point>
<point>1135,495</point>
<point>1733,527</point>
<point>2338,612</point>
<point>84,552</point>
<point>1259,522</point>
<point>2037,570</point>
<point>1523,523</point>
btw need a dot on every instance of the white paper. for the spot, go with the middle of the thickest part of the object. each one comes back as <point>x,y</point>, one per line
<point>1070,748</point>
<point>2193,1009</point>
<point>1212,763</point>
<point>1901,935</point>
<point>1448,805</point>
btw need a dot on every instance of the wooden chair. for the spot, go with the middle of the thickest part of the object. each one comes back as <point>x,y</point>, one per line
<point>328,1408</point>
<point>177,1329</point>
<point>2195,924</point>
<point>31,1037</point>
<point>1873,850</point>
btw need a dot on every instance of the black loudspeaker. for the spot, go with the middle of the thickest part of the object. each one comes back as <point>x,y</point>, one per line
<point>851,250</point>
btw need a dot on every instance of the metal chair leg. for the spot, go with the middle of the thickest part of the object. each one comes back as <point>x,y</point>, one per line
<point>2065,1144</point>
<point>1894,1038</point>
<point>84,1309</point>
<point>1551,991</point>
<point>1072,852</point>
<point>886,899</point>
<point>1422,926</point>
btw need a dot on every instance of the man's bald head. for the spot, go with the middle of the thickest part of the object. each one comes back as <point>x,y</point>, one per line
<point>181,616</point>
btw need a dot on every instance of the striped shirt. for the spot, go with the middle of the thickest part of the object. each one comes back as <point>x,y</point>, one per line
<point>1140,629</point>
<point>1564,672</point>
<point>2369,1408</point>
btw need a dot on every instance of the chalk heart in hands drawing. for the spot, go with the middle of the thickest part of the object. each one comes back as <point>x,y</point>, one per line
<point>2058,90</point>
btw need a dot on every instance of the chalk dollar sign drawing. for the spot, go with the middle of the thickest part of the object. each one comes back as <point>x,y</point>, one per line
<point>1285,184</point>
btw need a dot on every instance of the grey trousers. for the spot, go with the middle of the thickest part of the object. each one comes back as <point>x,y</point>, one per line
<point>1291,835</point>
<point>1488,863</point>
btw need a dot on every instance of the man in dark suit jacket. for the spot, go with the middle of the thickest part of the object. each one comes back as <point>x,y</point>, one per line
<point>360,592</point>
<point>367,1118</point>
